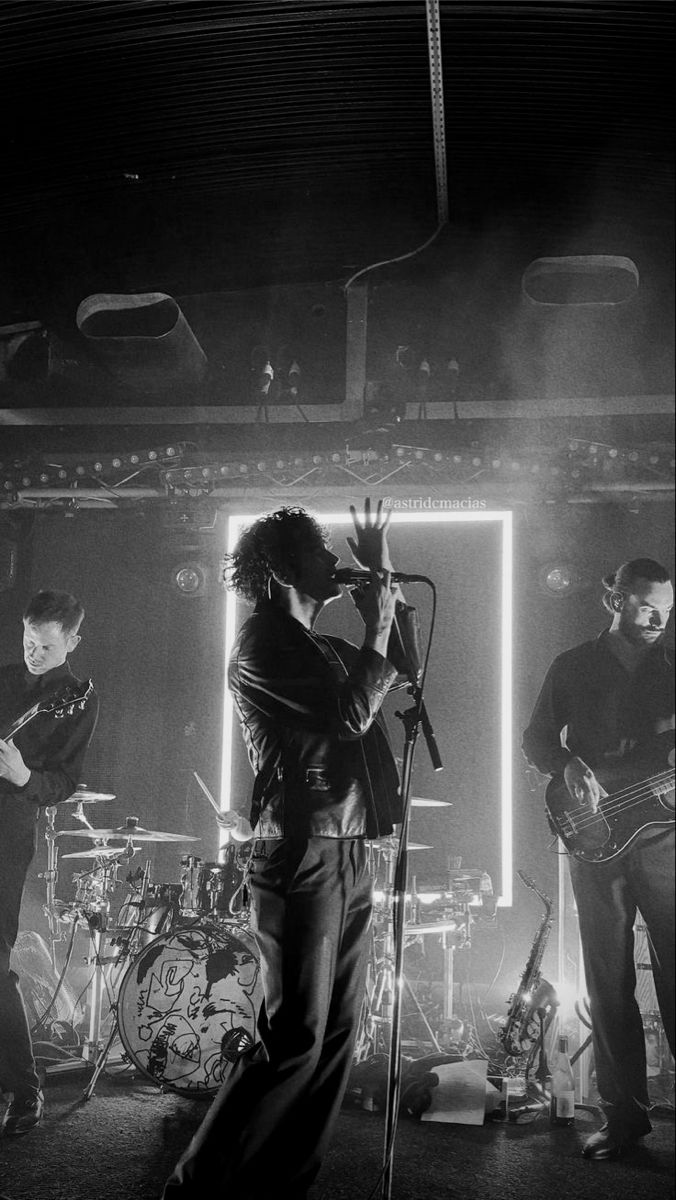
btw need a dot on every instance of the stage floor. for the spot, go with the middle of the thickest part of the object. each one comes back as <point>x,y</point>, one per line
<point>122,1143</point>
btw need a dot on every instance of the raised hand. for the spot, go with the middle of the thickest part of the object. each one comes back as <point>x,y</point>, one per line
<point>369,546</point>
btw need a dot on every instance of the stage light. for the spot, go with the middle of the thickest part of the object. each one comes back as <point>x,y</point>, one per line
<point>237,522</point>
<point>189,579</point>
<point>558,580</point>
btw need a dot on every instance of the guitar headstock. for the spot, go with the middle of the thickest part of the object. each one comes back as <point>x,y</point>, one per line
<point>72,697</point>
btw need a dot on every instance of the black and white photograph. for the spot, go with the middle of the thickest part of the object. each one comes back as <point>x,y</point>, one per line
<point>336,580</point>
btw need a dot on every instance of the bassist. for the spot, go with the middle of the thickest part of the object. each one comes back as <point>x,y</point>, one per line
<point>598,703</point>
<point>40,766</point>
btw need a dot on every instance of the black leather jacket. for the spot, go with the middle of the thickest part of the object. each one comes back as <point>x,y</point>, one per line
<point>309,711</point>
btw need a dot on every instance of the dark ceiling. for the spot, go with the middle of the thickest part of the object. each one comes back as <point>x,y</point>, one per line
<point>205,146</point>
<point>205,149</point>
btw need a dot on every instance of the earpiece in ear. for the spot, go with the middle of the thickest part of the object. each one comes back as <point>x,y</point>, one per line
<point>617,600</point>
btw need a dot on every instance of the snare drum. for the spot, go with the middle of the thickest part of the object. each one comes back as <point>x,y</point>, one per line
<point>188,1004</point>
<point>142,917</point>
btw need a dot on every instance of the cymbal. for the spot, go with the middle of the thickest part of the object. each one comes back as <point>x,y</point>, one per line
<point>130,829</point>
<point>392,843</point>
<point>422,802</point>
<point>99,852</point>
<point>85,795</point>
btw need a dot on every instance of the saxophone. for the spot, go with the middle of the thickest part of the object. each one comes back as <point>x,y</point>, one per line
<point>521,1029</point>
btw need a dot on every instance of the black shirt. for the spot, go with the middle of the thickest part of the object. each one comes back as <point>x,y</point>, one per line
<point>592,707</point>
<point>53,746</point>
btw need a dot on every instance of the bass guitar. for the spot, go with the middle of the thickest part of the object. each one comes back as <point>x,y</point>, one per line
<point>636,796</point>
<point>58,705</point>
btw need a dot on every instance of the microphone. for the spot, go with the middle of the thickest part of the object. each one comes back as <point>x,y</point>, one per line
<point>353,575</point>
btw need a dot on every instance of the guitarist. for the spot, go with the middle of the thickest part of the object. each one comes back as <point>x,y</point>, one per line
<point>598,701</point>
<point>40,766</point>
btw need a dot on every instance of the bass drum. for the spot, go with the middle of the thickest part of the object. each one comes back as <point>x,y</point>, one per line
<point>188,1005</point>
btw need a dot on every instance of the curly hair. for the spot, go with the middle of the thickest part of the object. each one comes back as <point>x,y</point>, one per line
<point>270,546</point>
<point>620,582</point>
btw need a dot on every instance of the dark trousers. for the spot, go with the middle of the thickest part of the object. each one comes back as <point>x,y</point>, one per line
<point>269,1126</point>
<point>607,897</point>
<point>17,1065</point>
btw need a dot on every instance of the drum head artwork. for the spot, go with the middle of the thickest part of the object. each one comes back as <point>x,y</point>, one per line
<point>188,1006</point>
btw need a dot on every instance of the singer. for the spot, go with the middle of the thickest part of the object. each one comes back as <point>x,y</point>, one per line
<point>325,782</point>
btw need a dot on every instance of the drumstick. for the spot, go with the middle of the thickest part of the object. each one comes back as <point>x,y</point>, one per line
<point>228,820</point>
<point>208,794</point>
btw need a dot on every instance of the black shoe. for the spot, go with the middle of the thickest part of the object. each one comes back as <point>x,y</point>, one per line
<point>23,1115</point>
<point>606,1145</point>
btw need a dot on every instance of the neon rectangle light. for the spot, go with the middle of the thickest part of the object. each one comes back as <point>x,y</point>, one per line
<point>237,522</point>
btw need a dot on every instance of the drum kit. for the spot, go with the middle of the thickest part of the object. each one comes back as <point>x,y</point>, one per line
<point>176,962</point>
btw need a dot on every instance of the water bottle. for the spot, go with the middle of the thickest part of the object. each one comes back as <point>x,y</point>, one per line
<point>562,1089</point>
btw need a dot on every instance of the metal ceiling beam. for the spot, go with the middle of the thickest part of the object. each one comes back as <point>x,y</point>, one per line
<point>532,409</point>
<point>438,117</point>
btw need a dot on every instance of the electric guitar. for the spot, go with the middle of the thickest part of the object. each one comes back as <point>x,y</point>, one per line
<point>60,704</point>
<point>636,797</point>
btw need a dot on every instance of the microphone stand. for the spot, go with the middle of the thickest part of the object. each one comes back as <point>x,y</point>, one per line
<point>414,719</point>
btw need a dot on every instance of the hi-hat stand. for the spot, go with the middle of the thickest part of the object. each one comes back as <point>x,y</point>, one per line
<point>91,907</point>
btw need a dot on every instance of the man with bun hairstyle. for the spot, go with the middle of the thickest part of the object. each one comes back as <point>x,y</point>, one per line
<point>602,704</point>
